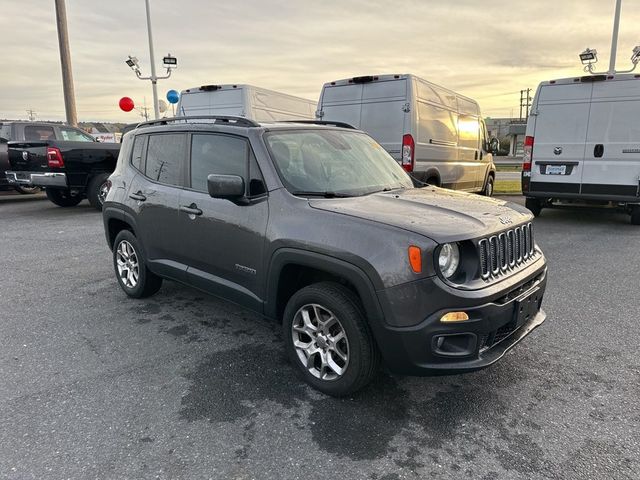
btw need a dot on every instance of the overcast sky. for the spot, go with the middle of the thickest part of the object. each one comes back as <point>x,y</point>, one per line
<point>487,50</point>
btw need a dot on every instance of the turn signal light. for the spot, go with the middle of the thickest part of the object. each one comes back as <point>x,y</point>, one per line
<point>415,259</point>
<point>452,317</point>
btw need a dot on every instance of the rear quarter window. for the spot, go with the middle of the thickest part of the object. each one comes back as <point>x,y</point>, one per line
<point>38,133</point>
<point>165,158</point>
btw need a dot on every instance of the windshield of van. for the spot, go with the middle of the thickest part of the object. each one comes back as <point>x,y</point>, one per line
<point>334,163</point>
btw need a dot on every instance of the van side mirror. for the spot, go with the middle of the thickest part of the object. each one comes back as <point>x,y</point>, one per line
<point>226,186</point>
<point>494,145</point>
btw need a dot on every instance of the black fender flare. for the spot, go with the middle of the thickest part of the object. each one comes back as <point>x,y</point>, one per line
<point>334,266</point>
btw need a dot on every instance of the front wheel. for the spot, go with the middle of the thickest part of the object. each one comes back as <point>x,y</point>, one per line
<point>488,187</point>
<point>97,190</point>
<point>328,340</point>
<point>534,205</point>
<point>62,197</point>
<point>132,273</point>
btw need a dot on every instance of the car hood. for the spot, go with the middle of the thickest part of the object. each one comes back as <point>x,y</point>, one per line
<point>440,214</point>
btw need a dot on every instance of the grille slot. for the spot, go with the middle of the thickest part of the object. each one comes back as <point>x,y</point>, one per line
<point>505,252</point>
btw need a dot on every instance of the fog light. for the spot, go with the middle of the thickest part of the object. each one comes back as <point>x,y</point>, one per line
<point>452,317</point>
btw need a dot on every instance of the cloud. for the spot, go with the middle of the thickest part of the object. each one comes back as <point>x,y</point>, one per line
<point>488,50</point>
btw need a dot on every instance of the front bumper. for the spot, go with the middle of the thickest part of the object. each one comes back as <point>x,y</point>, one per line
<point>38,179</point>
<point>435,348</point>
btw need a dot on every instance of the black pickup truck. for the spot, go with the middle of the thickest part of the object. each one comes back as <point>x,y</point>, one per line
<point>68,163</point>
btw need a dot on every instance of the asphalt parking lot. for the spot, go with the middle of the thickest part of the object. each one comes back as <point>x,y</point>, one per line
<point>182,385</point>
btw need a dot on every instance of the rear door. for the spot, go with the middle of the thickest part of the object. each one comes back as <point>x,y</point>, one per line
<point>383,114</point>
<point>559,137</point>
<point>376,107</point>
<point>153,198</point>
<point>612,157</point>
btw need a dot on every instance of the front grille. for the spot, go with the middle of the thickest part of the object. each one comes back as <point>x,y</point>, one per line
<point>505,252</point>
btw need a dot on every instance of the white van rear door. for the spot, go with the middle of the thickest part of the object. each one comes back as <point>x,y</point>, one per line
<point>383,114</point>
<point>612,158</point>
<point>559,137</point>
<point>342,103</point>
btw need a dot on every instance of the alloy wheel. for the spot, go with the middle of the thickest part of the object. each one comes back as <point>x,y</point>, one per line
<point>320,341</point>
<point>128,265</point>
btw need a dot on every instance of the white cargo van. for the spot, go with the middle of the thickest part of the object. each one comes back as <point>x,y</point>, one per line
<point>256,103</point>
<point>583,143</point>
<point>436,134</point>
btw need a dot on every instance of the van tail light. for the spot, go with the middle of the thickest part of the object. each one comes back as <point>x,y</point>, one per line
<point>528,154</point>
<point>408,153</point>
<point>54,158</point>
<point>527,158</point>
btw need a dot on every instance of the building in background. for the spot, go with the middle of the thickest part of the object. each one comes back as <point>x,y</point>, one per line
<point>510,132</point>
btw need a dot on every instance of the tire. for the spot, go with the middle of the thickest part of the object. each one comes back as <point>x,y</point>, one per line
<point>356,356</point>
<point>128,253</point>
<point>62,198</point>
<point>26,190</point>
<point>488,187</point>
<point>534,205</point>
<point>635,215</point>
<point>96,192</point>
<point>433,181</point>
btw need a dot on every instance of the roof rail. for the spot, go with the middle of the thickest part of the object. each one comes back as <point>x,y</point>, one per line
<point>237,121</point>
<point>323,122</point>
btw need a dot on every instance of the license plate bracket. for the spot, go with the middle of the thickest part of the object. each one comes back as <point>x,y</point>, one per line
<point>526,308</point>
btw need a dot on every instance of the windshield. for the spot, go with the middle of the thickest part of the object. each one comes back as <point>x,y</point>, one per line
<point>333,162</point>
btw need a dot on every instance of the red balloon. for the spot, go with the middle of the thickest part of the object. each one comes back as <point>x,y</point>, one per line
<point>126,104</point>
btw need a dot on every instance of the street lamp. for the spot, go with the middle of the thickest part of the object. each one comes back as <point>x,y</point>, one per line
<point>169,63</point>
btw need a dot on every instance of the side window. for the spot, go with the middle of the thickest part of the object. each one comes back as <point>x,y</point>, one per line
<point>37,133</point>
<point>136,155</point>
<point>5,131</point>
<point>165,158</point>
<point>73,135</point>
<point>219,154</point>
<point>469,131</point>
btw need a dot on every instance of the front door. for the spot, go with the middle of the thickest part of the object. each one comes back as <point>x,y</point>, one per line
<point>222,240</point>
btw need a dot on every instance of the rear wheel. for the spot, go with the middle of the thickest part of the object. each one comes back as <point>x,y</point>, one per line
<point>488,187</point>
<point>62,197</point>
<point>132,273</point>
<point>534,205</point>
<point>26,190</point>
<point>328,340</point>
<point>97,190</point>
<point>635,215</point>
<point>434,181</point>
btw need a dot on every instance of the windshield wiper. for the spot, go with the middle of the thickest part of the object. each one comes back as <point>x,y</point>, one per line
<point>327,194</point>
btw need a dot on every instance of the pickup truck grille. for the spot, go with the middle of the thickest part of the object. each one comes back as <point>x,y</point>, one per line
<point>507,251</point>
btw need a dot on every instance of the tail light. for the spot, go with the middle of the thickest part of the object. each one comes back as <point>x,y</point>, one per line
<point>528,154</point>
<point>54,158</point>
<point>408,153</point>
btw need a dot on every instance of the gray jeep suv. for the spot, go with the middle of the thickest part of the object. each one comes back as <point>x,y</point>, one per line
<point>317,227</point>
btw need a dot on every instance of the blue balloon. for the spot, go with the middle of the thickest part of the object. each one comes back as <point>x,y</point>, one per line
<point>173,96</point>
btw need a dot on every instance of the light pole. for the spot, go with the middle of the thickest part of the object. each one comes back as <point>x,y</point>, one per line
<point>614,38</point>
<point>168,61</point>
<point>65,63</point>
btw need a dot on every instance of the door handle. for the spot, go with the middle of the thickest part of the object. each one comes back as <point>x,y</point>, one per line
<point>598,150</point>
<point>138,196</point>
<point>191,209</point>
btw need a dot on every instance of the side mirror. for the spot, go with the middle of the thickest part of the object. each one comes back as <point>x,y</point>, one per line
<point>226,186</point>
<point>494,145</point>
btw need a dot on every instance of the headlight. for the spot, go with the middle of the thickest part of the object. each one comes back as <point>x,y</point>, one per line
<point>449,259</point>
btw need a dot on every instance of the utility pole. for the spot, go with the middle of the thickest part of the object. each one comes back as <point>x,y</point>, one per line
<point>65,63</point>
<point>32,114</point>
<point>525,102</point>
<point>614,38</point>
<point>154,78</point>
